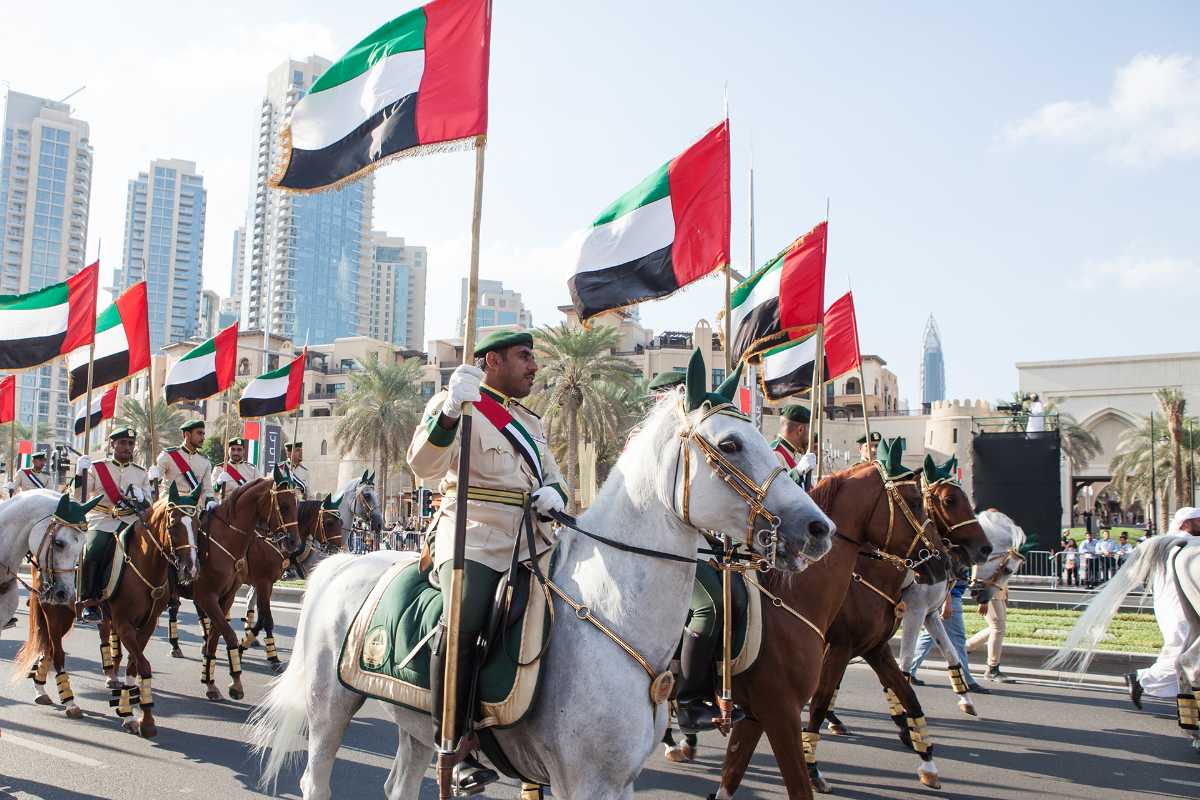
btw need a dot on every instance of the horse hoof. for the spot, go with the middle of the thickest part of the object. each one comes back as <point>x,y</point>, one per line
<point>113,683</point>
<point>236,692</point>
<point>74,712</point>
<point>43,700</point>
<point>680,754</point>
<point>276,665</point>
<point>822,786</point>
<point>930,780</point>
<point>214,694</point>
<point>838,730</point>
<point>176,653</point>
<point>968,708</point>
<point>149,730</point>
<point>131,726</point>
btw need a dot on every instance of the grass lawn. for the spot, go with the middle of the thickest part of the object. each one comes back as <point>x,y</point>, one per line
<point>1129,633</point>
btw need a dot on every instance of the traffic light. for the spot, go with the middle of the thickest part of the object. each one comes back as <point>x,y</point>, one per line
<point>426,503</point>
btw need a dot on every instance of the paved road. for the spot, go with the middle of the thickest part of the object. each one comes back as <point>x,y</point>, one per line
<point>1036,740</point>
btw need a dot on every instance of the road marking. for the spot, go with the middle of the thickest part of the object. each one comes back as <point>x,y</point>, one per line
<point>50,750</point>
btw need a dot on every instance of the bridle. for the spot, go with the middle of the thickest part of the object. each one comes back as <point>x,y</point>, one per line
<point>935,509</point>
<point>326,540</point>
<point>43,552</point>
<point>239,564</point>
<point>360,502</point>
<point>891,491</point>
<point>754,494</point>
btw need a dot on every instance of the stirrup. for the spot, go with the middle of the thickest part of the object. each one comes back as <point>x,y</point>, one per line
<point>471,777</point>
<point>695,716</point>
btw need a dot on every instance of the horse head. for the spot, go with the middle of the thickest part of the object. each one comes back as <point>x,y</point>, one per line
<point>947,504</point>
<point>278,508</point>
<point>55,544</point>
<point>179,515</point>
<point>329,525</point>
<point>1006,538</point>
<point>717,472</point>
<point>366,503</point>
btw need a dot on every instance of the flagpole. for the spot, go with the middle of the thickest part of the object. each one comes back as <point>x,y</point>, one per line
<point>87,417</point>
<point>756,399</point>
<point>12,439</point>
<point>446,748</point>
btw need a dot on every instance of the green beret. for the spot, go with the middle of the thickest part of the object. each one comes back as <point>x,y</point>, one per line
<point>288,447</point>
<point>796,413</point>
<point>500,340</point>
<point>191,424</point>
<point>122,433</point>
<point>236,440</point>
<point>667,380</point>
<point>875,438</point>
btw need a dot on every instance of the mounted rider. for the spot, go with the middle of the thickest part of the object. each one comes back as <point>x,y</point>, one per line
<point>185,466</point>
<point>511,464</point>
<point>235,470</point>
<point>35,477</point>
<point>124,488</point>
<point>791,445</point>
<point>294,470</point>
<point>866,452</point>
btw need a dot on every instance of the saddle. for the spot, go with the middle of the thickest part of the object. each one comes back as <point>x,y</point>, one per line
<point>386,652</point>
<point>106,563</point>
<point>746,608</point>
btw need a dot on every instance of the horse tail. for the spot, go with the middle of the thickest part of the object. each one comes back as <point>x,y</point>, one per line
<point>37,643</point>
<point>1147,559</point>
<point>278,726</point>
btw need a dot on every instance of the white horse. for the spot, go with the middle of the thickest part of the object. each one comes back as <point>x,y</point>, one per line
<point>1173,557</point>
<point>923,602</point>
<point>593,724</point>
<point>28,525</point>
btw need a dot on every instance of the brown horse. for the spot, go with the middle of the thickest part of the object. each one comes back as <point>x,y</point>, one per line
<point>874,513</point>
<point>225,544</point>
<point>868,619</point>
<point>130,614</point>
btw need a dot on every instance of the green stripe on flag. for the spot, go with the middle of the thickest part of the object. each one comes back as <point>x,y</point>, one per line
<point>282,372</point>
<point>108,318</point>
<point>208,348</point>
<point>404,34</point>
<point>743,289</point>
<point>49,297</point>
<point>656,186</point>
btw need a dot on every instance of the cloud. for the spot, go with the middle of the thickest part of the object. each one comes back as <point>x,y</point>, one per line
<point>1133,272</point>
<point>1152,114</point>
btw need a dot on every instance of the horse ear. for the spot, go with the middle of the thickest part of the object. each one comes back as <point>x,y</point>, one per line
<point>364,478</point>
<point>697,381</point>
<point>328,503</point>
<point>889,455</point>
<point>281,480</point>
<point>90,504</point>
<point>930,469</point>
<point>64,503</point>
<point>728,388</point>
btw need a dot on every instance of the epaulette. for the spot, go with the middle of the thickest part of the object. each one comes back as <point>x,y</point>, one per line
<point>170,449</point>
<point>527,409</point>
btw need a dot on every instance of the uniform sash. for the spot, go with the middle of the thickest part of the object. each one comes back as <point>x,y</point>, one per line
<point>184,467</point>
<point>783,450</point>
<point>513,431</point>
<point>237,476</point>
<point>106,481</point>
<point>33,478</point>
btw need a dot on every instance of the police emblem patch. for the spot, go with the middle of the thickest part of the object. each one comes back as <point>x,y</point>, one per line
<point>375,648</point>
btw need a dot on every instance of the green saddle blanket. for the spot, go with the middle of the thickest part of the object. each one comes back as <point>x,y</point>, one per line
<point>386,652</point>
<point>104,563</point>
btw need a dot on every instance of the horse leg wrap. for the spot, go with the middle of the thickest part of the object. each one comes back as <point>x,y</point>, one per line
<point>809,740</point>
<point>531,791</point>
<point>173,632</point>
<point>1188,711</point>
<point>106,659</point>
<point>921,742</point>
<point>207,668</point>
<point>899,715</point>
<point>247,639</point>
<point>272,653</point>
<point>39,671</point>
<point>235,661</point>
<point>833,698</point>
<point>956,678</point>
<point>114,644</point>
<point>65,695</point>
<point>204,623</point>
<point>145,694</point>
<point>229,615</point>
<point>124,699</point>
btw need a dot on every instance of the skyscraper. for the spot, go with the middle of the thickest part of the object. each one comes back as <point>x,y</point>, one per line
<point>933,366</point>
<point>497,306</point>
<point>45,192</point>
<point>305,253</point>
<point>237,269</point>
<point>397,291</point>
<point>164,245</point>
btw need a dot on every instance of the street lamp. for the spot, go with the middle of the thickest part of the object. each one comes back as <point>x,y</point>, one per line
<point>1151,517</point>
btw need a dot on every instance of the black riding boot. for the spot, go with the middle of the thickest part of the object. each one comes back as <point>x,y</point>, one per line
<point>88,590</point>
<point>470,776</point>
<point>695,686</point>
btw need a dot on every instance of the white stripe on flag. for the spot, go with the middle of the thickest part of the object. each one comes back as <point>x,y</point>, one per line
<point>32,323</point>
<point>787,361</point>
<point>108,343</point>
<point>187,370</point>
<point>766,289</point>
<point>265,389</point>
<point>327,117</point>
<point>628,237</point>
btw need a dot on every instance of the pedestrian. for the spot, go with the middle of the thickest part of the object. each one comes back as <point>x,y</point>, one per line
<point>1161,679</point>
<point>1088,559</point>
<point>1124,548</point>
<point>1106,549</point>
<point>996,612</point>
<point>952,619</point>
<point>1070,557</point>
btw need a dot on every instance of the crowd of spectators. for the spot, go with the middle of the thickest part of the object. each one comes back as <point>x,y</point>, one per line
<point>1092,561</point>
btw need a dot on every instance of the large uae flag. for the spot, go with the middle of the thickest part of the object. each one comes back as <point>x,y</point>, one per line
<point>842,353</point>
<point>206,370</point>
<point>782,300</point>
<point>664,233</point>
<point>43,325</point>
<point>103,407</point>
<point>787,369</point>
<point>418,84</point>
<point>122,344</point>
<point>276,392</point>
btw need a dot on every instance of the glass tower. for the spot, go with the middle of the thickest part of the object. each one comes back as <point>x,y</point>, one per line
<point>933,366</point>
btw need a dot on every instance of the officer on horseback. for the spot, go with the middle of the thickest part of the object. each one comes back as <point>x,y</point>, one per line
<point>511,464</point>
<point>235,470</point>
<point>185,465</point>
<point>866,451</point>
<point>124,488</point>
<point>791,445</point>
<point>27,478</point>
<point>294,469</point>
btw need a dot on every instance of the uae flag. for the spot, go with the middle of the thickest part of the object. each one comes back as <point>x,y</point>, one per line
<point>8,399</point>
<point>122,344</point>
<point>787,369</point>
<point>418,84</point>
<point>103,407</point>
<point>24,454</point>
<point>782,300</point>
<point>276,392</point>
<point>43,325</point>
<point>251,432</point>
<point>206,370</point>
<point>841,338</point>
<point>664,233</point>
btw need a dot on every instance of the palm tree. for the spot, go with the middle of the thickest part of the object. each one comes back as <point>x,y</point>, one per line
<point>1078,443</point>
<point>575,387</point>
<point>165,423</point>
<point>629,405</point>
<point>1133,477</point>
<point>1173,405</point>
<point>380,412</point>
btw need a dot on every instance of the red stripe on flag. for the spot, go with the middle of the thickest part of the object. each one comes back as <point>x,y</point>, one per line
<point>108,403</point>
<point>842,353</point>
<point>135,319</point>
<point>8,399</point>
<point>699,181</point>
<point>225,356</point>
<point>81,302</point>
<point>250,429</point>
<point>296,381</point>
<point>802,285</point>
<point>452,102</point>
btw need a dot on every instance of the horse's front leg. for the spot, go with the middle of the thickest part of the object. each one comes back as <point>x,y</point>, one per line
<point>1187,667</point>
<point>209,607</point>
<point>742,741</point>
<point>959,677</point>
<point>250,628</point>
<point>173,625</point>
<point>232,645</point>
<point>145,675</point>
<point>263,593</point>
<point>833,667</point>
<point>128,695</point>
<point>906,711</point>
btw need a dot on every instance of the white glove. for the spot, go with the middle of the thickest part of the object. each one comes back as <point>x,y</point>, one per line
<point>220,478</point>
<point>82,465</point>
<point>807,463</point>
<point>211,504</point>
<point>545,500</point>
<point>153,473</point>
<point>463,388</point>
<point>137,493</point>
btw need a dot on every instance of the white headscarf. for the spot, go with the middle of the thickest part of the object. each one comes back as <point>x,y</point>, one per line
<point>1182,515</point>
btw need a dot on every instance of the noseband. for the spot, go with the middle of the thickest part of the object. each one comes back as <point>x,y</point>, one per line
<point>44,553</point>
<point>322,515</point>
<point>926,554</point>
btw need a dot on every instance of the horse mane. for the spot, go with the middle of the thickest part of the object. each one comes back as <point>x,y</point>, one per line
<point>237,493</point>
<point>824,493</point>
<point>306,512</point>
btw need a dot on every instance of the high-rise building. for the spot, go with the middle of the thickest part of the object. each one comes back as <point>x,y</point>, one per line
<point>304,253</point>
<point>164,246</point>
<point>933,366</point>
<point>45,192</point>
<point>209,320</point>
<point>397,290</point>
<point>497,306</point>
<point>237,269</point>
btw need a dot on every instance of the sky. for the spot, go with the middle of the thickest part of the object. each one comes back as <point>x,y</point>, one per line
<point>1028,172</point>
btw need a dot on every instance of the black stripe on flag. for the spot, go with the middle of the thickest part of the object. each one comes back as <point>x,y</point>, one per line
<point>645,278</point>
<point>198,389</point>
<point>262,406</point>
<point>109,369</point>
<point>387,131</point>
<point>26,353</point>
<point>759,330</point>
